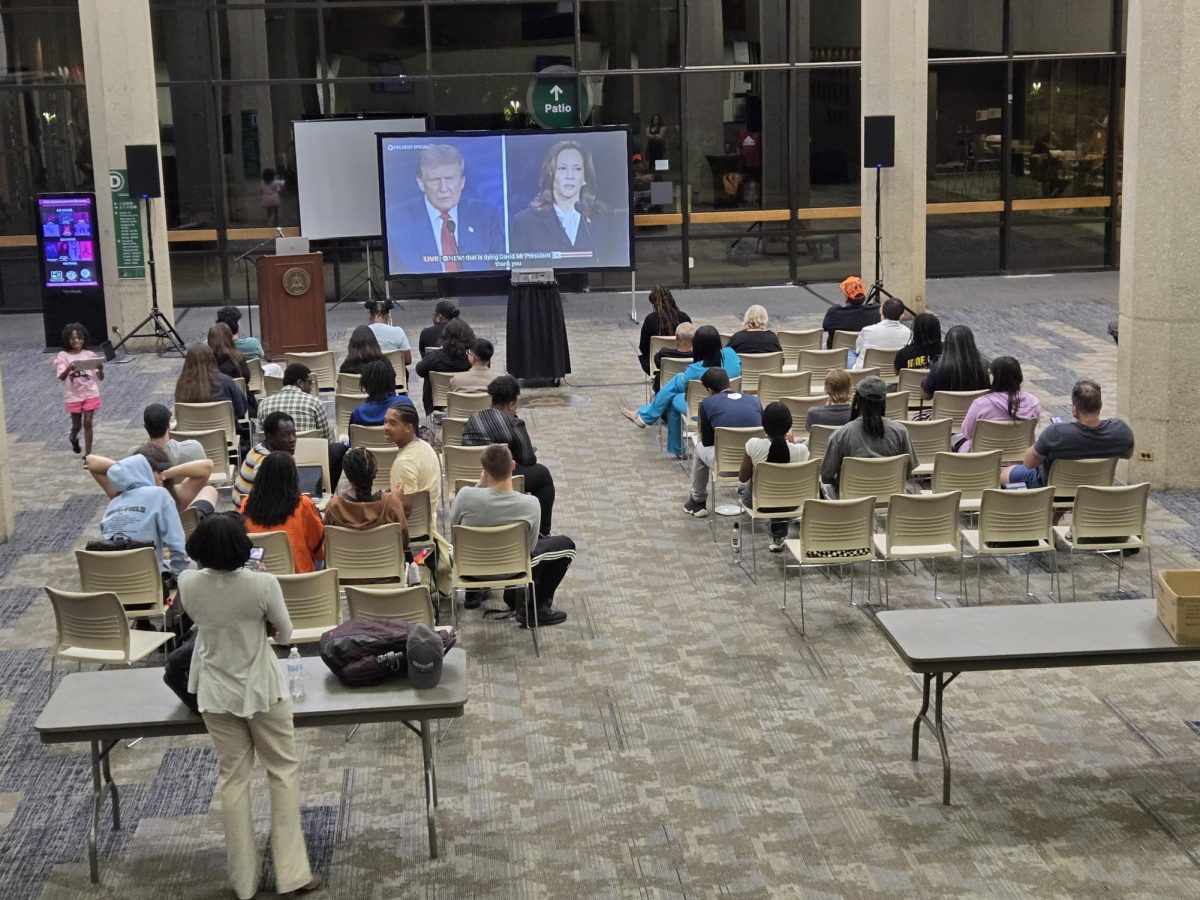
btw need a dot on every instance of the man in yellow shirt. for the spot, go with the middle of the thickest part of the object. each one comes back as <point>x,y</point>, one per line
<point>416,468</point>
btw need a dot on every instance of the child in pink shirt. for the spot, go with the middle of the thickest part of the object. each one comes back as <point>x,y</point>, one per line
<point>81,387</point>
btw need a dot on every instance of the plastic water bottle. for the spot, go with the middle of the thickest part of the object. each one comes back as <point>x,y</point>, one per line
<point>413,575</point>
<point>295,669</point>
<point>736,540</point>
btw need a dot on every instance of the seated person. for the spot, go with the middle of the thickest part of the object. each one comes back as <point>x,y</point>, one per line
<point>670,403</point>
<point>754,337</point>
<point>925,346</point>
<point>836,410</point>
<point>378,382</point>
<point>501,425</point>
<point>684,333</point>
<point>1088,437</point>
<point>494,502</point>
<point>431,336</point>
<point>855,315</point>
<point>480,375</point>
<point>276,504</point>
<point>279,434</point>
<point>307,412</point>
<point>961,367</point>
<point>362,349</point>
<point>389,336</point>
<point>141,508</point>
<point>230,361</point>
<point>187,482</point>
<point>249,347</point>
<point>358,505</point>
<point>156,419</point>
<point>886,334</point>
<point>664,319</point>
<point>1004,401</point>
<point>415,469</point>
<point>869,433</point>
<point>457,337</point>
<point>200,381</point>
<point>720,409</point>
<point>778,446</point>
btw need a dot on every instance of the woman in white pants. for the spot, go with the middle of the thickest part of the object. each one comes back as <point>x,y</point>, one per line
<point>244,701</point>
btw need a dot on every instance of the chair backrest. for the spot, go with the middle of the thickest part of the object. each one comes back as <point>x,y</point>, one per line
<point>349,383</point>
<point>272,384</point>
<point>928,439</point>
<point>368,436</point>
<point>729,446</point>
<point>277,551</point>
<point>953,405</point>
<point>216,448</point>
<point>1068,475</point>
<point>314,451</point>
<point>774,386</point>
<point>452,431</point>
<point>441,387</point>
<point>1012,439</point>
<point>857,375</point>
<point>492,556</point>
<point>133,575</point>
<point>844,340</point>
<point>659,342</point>
<point>1016,517</point>
<point>373,554</point>
<point>694,394</point>
<point>343,406</point>
<point>922,520</point>
<point>672,366</point>
<point>190,520</point>
<point>896,405</point>
<point>725,338</point>
<point>412,604</point>
<point>462,405</point>
<point>241,385</point>
<point>793,342</point>
<point>821,361</point>
<point>756,364</point>
<point>518,484</point>
<point>841,527</point>
<point>818,440</point>
<point>206,417</point>
<point>799,407</point>
<point>461,463</point>
<point>90,620</point>
<point>420,518</point>
<point>911,380</point>
<point>256,375</point>
<point>310,433</point>
<point>396,358</point>
<point>1114,513</point>
<point>384,457</point>
<point>878,477</point>
<point>321,364</point>
<point>884,360</point>
<point>785,487</point>
<point>312,600</point>
<point>968,473</point>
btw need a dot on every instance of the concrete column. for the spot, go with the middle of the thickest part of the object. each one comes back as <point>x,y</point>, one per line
<point>1160,246</point>
<point>895,74</point>
<point>6,503</point>
<point>118,57</point>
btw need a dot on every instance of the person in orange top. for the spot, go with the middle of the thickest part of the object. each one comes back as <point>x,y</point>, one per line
<point>276,504</point>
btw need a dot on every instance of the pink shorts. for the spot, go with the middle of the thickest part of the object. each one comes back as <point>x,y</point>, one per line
<point>83,406</point>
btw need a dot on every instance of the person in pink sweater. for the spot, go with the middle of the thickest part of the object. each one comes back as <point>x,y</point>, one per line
<point>81,385</point>
<point>1004,401</point>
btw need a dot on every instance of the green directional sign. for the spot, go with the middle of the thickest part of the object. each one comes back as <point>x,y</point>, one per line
<point>554,99</point>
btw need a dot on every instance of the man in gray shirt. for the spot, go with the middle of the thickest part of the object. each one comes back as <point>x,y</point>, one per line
<point>1088,437</point>
<point>494,502</point>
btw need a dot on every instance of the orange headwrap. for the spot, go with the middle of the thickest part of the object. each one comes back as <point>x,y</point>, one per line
<point>854,288</point>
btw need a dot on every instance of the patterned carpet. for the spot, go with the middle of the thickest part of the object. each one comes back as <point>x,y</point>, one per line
<point>678,737</point>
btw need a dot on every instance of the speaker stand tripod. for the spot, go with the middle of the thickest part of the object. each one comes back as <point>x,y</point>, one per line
<point>158,325</point>
<point>368,278</point>
<point>877,292</point>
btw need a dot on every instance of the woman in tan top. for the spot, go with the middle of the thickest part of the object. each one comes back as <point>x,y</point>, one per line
<point>359,505</point>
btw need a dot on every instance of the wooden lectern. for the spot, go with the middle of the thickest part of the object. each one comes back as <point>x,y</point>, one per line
<point>291,303</point>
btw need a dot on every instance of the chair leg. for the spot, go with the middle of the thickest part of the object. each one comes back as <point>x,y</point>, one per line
<point>1071,557</point>
<point>1055,593</point>
<point>934,563</point>
<point>753,550</point>
<point>531,596</point>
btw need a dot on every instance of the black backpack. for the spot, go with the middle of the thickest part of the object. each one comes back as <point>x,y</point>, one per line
<point>367,650</point>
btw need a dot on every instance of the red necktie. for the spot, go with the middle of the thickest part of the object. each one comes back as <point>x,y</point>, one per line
<point>449,245</point>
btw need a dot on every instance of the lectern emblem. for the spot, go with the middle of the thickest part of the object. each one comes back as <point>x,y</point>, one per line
<point>296,281</point>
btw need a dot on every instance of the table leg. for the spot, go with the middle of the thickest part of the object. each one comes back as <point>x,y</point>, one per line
<point>101,780</point>
<point>936,725</point>
<point>430,787</point>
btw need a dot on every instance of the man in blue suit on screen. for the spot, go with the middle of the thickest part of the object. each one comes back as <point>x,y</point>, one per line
<point>426,235</point>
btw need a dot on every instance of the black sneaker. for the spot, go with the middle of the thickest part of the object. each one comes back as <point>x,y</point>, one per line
<point>73,437</point>
<point>472,599</point>
<point>547,615</point>
<point>697,508</point>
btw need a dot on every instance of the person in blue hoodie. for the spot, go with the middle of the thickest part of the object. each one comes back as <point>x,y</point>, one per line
<point>143,510</point>
<point>670,402</point>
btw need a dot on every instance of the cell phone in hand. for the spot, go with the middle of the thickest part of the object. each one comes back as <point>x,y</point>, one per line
<point>256,554</point>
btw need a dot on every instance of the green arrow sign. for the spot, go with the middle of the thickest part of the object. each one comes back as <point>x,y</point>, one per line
<point>554,100</point>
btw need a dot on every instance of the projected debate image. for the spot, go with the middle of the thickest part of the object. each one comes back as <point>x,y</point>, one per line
<point>494,202</point>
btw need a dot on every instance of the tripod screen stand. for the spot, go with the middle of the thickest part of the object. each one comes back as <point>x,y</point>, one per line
<point>156,325</point>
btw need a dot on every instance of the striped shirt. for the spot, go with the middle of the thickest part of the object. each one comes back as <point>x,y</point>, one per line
<point>495,426</point>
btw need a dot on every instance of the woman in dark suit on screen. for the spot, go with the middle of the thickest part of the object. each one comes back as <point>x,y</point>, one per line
<point>565,215</point>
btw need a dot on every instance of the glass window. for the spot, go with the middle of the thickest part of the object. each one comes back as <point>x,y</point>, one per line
<point>40,45</point>
<point>493,103</point>
<point>384,41</point>
<point>631,35</point>
<point>825,136</point>
<point>268,43</point>
<point>1061,26</point>
<point>182,38</point>
<point>1056,239</point>
<point>395,94</point>
<point>829,33</point>
<point>649,105</point>
<point>965,134</point>
<point>827,248</point>
<point>757,254</point>
<point>966,28</point>
<point>1060,127</point>
<point>20,275</point>
<point>190,155</point>
<point>481,38</point>
<point>962,244</point>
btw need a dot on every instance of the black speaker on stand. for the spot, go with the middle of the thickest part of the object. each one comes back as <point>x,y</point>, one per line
<point>142,178</point>
<point>879,152</point>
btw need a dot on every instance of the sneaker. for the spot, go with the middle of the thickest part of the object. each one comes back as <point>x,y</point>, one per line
<point>73,437</point>
<point>697,508</point>
<point>472,599</point>
<point>547,615</point>
<point>775,545</point>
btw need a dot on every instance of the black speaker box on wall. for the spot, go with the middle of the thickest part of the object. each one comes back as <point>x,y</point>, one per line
<point>879,142</point>
<point>141,166</point>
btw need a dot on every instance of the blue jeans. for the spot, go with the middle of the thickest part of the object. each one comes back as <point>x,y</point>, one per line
<point>670,405</point>
<point>1032,477</point>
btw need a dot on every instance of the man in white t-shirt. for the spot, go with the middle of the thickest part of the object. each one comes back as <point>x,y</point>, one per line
<point>887,334</point>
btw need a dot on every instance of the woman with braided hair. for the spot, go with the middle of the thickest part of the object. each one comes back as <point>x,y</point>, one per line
<point>358,505</point>
<point>662,321</point>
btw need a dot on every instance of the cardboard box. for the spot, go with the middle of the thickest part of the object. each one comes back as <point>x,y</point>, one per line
<point>1178,593</point>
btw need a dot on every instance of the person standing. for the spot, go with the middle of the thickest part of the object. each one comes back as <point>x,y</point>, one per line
<point>241,696</point>
<point>81,387</point>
